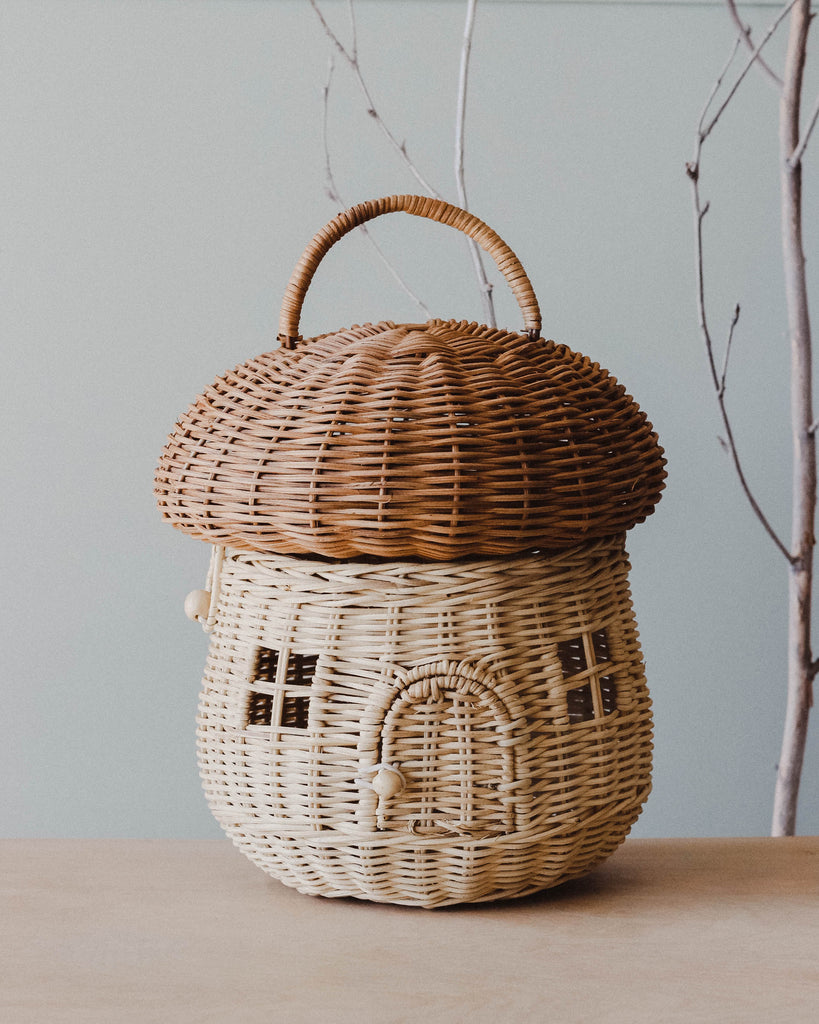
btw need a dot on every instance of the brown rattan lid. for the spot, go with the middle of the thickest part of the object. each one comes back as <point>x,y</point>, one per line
<point>434,440</point>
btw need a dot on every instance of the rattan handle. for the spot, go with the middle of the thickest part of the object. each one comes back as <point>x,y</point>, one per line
<point>419,206</point>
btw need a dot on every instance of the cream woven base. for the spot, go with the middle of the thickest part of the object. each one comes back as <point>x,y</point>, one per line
<point>425,733</point>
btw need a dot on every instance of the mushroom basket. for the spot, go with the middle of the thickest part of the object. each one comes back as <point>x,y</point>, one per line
<point>424,684</point>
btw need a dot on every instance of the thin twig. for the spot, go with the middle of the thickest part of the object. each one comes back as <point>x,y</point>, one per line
<point>719,377</point>
<point>724,374</point>
<point>745,36</point>
<point>353,30</point>
<point>701,136</point>
<point>333,193</point>
<point>797,154</point>
<point>692,168</point>
<point>732,448</point>
<point>351,57</point>
<point>749,64</point>
<point>484,284</point>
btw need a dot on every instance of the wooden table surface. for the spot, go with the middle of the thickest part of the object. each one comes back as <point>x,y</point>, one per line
<point>120,931</point>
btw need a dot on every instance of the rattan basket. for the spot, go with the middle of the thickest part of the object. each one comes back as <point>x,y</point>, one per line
<point>424,683</point>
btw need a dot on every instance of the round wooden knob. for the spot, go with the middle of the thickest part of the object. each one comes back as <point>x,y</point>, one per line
<point>387,783</point>
<point>197,604</point>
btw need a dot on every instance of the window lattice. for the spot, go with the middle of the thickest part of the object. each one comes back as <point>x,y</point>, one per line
<point>285,704</point>
<point>588,656</point>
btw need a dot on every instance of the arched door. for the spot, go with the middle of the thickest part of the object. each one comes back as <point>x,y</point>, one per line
<point>451,740</point>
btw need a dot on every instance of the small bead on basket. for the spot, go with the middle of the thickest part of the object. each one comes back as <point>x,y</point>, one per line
<point>424,682</point>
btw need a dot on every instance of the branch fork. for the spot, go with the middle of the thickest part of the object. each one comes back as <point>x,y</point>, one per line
<point>351,58</point>
<point>802,667</point>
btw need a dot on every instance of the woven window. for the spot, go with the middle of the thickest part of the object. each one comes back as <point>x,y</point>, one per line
<point>279,693</point>
<point>588,658</point>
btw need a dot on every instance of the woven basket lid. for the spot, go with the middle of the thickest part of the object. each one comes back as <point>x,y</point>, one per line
<point>436,440</point>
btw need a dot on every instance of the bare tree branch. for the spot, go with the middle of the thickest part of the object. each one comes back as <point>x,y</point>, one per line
<point>734,453</point>
<point>460,122</point>
<point>724,374</point>
<point>753,59</point>
<point>798,153</point>
<point>333,193</point>
<point>353,30</point>
<point>701,133</point>
<point>719,378</point>
<point>804,477</point>
<point>700,210</point>
<point>745,36</point>
<point>351,57</point>
<point>802,666</point>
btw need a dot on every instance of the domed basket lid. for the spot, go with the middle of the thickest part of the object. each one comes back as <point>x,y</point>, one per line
<point>436,440</point>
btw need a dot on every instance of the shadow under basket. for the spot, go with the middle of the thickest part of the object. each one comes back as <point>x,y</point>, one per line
<point>425,733</point>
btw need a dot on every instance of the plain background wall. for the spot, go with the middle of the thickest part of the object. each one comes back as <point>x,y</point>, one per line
<point>163,169</point>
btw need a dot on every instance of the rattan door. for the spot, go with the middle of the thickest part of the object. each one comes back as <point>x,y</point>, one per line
<point>447,733</point>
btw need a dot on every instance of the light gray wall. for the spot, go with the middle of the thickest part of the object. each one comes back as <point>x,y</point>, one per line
<point>163,170</point>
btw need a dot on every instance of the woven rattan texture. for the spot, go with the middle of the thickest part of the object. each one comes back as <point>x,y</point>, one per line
<point>419,206</point>
<point>426,733</point>
<point>435,440</point>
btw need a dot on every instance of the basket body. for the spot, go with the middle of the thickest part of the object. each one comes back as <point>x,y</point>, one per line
<point>425,734</point>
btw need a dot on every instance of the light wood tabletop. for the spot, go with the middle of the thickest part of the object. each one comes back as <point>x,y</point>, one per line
<point>121,931</point>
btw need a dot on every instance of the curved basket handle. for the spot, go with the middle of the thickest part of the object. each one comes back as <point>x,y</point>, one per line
<point>419,206</point>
